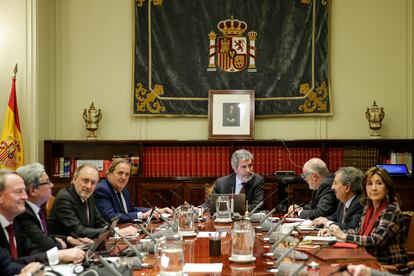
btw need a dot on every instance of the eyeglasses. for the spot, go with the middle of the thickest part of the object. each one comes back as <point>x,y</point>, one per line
<point>304,175</point>
<point>47,182</point>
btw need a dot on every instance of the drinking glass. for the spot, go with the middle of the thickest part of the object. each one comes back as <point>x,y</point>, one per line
<point>186,220</point>
<point>172,256</point>
<point>242,241</point>
<point>223,208</point>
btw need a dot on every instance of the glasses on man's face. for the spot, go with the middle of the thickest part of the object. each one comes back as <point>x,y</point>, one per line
<point>304,175</point>
<point>47,182</point>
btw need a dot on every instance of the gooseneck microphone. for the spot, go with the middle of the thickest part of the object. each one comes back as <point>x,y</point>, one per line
<point>166,201</point>
<point>148,234</point>
<point>282,220</point>
<point>130,246</point>
<point>166,221</point>
<point>267,216</point>
<point>177,195</point>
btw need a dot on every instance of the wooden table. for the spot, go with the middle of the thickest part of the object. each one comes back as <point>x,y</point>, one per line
<point>196,250</point>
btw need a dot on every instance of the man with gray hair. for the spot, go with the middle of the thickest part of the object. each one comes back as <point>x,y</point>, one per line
<point>242,180</point>
<point>33,221</point>
<point>12,240</point>
<point>323,202</point>
<point>347,187</point>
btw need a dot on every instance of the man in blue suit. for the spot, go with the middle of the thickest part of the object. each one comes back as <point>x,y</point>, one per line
<point>113,199</point>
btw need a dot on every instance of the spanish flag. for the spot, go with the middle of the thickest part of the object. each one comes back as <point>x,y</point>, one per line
<point>11,144</point>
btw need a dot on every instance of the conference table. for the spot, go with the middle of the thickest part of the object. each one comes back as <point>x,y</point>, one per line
<point>196,250</point>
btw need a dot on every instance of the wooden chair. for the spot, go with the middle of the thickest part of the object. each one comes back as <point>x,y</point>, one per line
<point>410,239</point>
<point>49,204</point>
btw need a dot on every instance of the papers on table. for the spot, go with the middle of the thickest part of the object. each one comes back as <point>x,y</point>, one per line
<point>205,234</point>
<point>213,267</point>
<point>315,238</point>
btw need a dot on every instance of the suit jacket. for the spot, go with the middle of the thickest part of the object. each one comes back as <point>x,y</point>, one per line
<point>30,226</point>
<point>108,203</point>
<point>352,216</point>
<point>227,185</point>
<point>7,265</point>
<point>68,216</point>
<point>27,251</point>
<point>323,203</point>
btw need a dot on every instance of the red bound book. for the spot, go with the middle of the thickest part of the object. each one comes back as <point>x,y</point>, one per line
<point>266,161</point>
<point>72,164</point>
<point>213,160</point>
<point>182,165</point>
<point>167,161</point>
<point>218,161</point>
<point>209,161</point>
<point>106,165</point>
<point>340,157</point>
<point>224,161</point>
<point>187,161</point>
<point>161,162</point>
<point>155,165</point>
<point>56,170</point>
<point>193,156</point>
<point>204,161</point>
<point>279,158</point>
<point>199,158</point>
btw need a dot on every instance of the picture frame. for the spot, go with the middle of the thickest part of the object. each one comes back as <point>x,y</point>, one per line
<point>231,114</point>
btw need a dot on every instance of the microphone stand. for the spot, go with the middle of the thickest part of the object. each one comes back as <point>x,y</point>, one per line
<point>267,216</point>
<point>139,254</point>
<point>166,201</point>
<point>166,221</point>
<point>285,236</point>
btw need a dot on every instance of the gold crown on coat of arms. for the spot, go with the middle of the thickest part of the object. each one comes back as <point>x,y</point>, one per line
<point>232,26</point>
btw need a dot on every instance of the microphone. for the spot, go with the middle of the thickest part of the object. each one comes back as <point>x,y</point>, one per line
<point>109,266</point>
<point>166,221</point>
<point>255,209</point>
<point>267,216</point>
<point>130,246</point>
<point>280,205</point>
<point>166,201</point>
<point>286,235</point>
<point>177,195</point>
<point>148,221</point>
<point>282,220</point>
<point>148,203</point>
<point>148,234</point>
<point>263,201</point>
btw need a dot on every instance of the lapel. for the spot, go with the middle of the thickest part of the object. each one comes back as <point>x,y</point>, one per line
<point>114,196</point>
<point>3,241</point>
<point>29,211</point>
<point>79,206</point>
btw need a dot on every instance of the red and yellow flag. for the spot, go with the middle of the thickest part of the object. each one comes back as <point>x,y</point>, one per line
<point>11,144</point>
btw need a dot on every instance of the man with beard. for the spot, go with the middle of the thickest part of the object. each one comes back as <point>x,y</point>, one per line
<point>323,202</point>
<point>242,180</point>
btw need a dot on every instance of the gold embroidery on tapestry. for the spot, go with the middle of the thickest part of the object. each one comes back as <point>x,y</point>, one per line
<point>148,101</point>
<point>316,99</point>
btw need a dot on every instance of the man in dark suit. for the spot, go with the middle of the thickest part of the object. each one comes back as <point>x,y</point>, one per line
<point>33,221</point>
<point>112,196</point>
<point>242,180</point>
<point>12,203</point>
<point>323,202</point>
<point>10,267</point>
<point>347,187</point>
<point>74,211</point>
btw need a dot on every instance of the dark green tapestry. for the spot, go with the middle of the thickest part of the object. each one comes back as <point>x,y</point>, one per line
<point>184,48</point>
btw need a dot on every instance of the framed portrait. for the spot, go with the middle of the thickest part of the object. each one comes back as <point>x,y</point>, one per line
<point>231,114</point>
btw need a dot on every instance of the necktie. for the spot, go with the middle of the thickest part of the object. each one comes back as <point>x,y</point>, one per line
<point>344,214</point>
<point>85,205</point>
<point>121,202</point>
<point>43,221</point>
<point>12,244</point>
<point>243,189</point>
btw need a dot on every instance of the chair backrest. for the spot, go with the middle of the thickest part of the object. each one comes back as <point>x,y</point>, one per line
<point>410,237</point>
<point>49,204</point>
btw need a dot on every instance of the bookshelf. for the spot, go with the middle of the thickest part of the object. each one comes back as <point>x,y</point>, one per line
<point>187,166</point>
